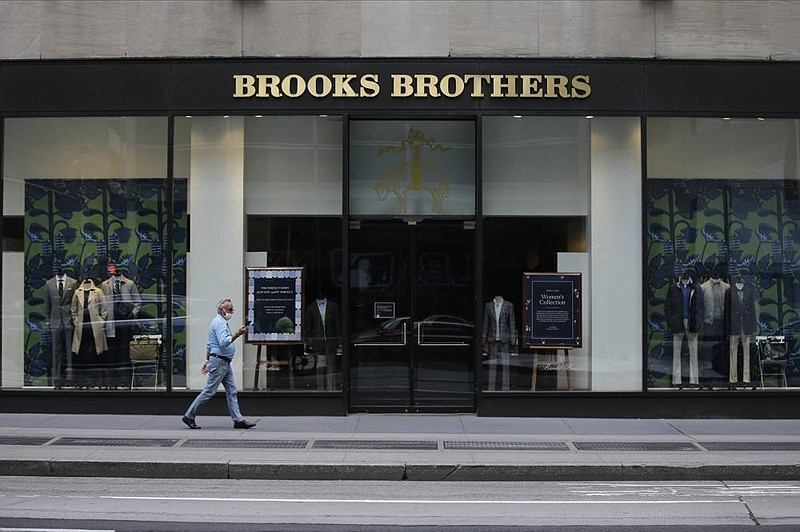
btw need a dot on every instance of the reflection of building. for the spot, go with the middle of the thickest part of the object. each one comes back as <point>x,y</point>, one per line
<point>667,164</point>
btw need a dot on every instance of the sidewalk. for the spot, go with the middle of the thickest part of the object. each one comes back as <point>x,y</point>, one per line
<point>400,447</point>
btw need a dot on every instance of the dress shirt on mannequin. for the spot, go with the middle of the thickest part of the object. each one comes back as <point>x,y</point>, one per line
<point>740,317</point>
<point>499,336</point>
<point>58,297</point>
<point>684,310</point>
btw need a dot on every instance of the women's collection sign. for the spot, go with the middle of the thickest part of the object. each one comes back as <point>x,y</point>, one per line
<point>275,305</point>
<point>552,310</point>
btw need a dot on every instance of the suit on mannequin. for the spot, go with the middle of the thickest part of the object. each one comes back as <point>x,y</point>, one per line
<point>715,292</point>
<point>499,336</point>
<point>58,297</point>
<point>684,310</point>
<point>123,303</point>
<point>324,337</point>
<point>740,317</point>
<point>89,339</point>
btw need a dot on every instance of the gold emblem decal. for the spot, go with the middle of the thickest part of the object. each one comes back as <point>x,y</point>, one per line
<point>415,141</point>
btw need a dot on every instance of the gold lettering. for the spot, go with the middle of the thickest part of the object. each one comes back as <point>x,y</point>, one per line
<point>531,86</point>
<point>268,83</point>
<point>553,83</point>
<point>426,85</point>
<point>245,86</point>
<point>369,86</point>
<point>581,87</point>
<point>319,85</point>
<point>476,80</point>
<point>504,86</point>
<point>293,85</point>
<point>342,85</point>
<point>457,87</point>
<point>401,85</point>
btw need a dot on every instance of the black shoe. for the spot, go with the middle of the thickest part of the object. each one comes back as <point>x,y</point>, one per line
<point>190,423</point>
<point>243,424</point>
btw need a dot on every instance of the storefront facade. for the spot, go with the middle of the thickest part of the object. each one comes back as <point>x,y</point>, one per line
<point>420,203</point>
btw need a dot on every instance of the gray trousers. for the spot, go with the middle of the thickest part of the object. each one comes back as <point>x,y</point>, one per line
<point>499,355</point>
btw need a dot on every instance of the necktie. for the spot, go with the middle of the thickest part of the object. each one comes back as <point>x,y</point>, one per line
<point>116,287</point>
<point>60,288</point>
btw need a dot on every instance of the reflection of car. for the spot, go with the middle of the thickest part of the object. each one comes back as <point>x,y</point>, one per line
<point>436,328</point>
<point>153,306</point>
<point>440,328</point>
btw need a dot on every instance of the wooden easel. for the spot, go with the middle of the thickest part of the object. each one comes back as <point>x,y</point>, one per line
<point>271,361</point>
<point>547,359</point>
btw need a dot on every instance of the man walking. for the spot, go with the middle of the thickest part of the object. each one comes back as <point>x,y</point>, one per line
<point>219,355</point>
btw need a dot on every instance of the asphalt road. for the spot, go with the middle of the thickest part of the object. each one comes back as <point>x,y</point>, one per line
<point>173,505</point>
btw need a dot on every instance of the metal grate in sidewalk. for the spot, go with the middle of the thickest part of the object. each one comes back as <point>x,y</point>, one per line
<point>751,445</point>
<point>246,444</point>
<point>507,445</point>
<point>403,445</point>
<point>116,442</point>
<point>23,440</point>
<point>633,446</point>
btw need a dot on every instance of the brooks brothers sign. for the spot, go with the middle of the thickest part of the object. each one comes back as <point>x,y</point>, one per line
<point>412,85</point>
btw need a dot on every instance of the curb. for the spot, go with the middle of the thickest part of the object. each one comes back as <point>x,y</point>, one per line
<point>396,472</point>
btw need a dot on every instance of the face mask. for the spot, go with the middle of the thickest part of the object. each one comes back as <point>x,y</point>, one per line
<point>227,315</point>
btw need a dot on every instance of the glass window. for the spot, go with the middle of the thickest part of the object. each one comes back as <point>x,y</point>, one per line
<point>262,192</point>
<point>548,184</point>
<point>723,213</point>
<point>90,277</point>
<point>430,171</point>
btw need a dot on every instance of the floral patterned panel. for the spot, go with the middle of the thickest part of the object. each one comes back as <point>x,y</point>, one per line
<point>85,225</point>
<point>737,227</point>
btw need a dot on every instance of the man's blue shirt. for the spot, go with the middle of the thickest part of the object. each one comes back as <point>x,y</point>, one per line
<point>220,338</point>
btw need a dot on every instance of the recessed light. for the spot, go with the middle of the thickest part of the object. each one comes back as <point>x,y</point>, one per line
<point>259,116</point>
<point>726,118</point>
<point>760,119</point>
<point>226,116</point>
<point>589,117</point>
<point>188,116</point>
<point>517,116</point>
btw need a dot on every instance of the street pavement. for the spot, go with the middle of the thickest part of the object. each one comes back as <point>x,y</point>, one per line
<point>401,447</point>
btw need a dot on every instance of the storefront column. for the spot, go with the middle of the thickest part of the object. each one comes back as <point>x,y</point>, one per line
<point>616,243</point>
<point>216,210</point>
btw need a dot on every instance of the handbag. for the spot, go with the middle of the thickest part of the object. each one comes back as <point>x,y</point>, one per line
<point>144,348</point>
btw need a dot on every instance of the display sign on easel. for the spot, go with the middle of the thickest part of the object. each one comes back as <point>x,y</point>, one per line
<point>274,305</point>
<point>552,310</point>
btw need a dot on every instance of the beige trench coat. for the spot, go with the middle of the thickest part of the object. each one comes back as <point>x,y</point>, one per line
<point>97,313</point>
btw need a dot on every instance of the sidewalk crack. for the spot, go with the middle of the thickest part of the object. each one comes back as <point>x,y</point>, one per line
<point>452,471</point>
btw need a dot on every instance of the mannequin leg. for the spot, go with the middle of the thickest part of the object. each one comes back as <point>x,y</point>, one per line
<point>505,368</point>
<point>492,365</point>
<point>733,371</point>
<point>745,358</point>
<point>692,340</point>
<point>677,346</point>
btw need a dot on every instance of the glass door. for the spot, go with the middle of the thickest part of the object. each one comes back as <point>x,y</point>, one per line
<point>411,320</point>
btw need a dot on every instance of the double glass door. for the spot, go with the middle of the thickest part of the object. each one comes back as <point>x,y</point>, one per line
<point>411,314</point>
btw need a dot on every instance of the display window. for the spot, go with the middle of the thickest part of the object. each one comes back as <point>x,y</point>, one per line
<point>723,222</point>
<point>85,285</point>
<point>265,204</point>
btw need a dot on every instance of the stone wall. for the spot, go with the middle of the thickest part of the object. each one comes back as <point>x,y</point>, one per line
<point>761,30</point>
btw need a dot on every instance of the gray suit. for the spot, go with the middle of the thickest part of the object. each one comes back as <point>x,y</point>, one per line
<point>122,308</point>
<point>60,322</point>
<point>499,334</point>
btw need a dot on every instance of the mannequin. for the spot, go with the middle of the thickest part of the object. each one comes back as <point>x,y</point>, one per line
<point>740,318</point>
<point>499,338</point>
<point>684,312</point>
<point>715,292</point>
<point>324,337</point>
<point>89,339</point>
<point>58,297</point>
<point>122,302</point>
